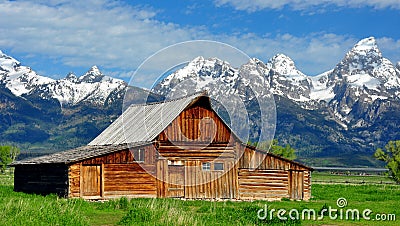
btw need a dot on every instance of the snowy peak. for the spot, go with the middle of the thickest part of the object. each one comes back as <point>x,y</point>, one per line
<point>364,66</point>
<point>71,77</point>
<point>93,75</point>
<point>284,65</point>
<point>199,74</point>
<point>19,79</point>
<point>7,63</point>
<point>286,80</point>
<point>212,67</point>
<point>363,58</point>
<point>92,88</point>
<point>367,45</point>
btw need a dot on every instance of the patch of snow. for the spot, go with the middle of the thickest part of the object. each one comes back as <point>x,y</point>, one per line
<point>361,80</point>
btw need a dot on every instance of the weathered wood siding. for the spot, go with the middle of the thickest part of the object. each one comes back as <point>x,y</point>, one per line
<point>41,179</point>
<point>211,184</point>
<point>263,184</point>
<point>120,175</point>
<point>307,185</point>
<point>266,176</point>
<point>129,180</point>
<point>196,136</point>
<point>197,125</point>
<point>74,176</point>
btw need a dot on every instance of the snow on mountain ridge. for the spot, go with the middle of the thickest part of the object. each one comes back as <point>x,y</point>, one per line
<point>93,86</point>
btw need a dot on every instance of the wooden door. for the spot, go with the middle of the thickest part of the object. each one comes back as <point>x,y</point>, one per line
<point>176,181</point>
<point>296,185</point>
<point>91,180</point>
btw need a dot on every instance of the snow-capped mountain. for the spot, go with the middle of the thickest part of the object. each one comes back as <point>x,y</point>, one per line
<point>353,106</point>
<point>91,88</point>
<point>19,79</point>
<point>363,76</point>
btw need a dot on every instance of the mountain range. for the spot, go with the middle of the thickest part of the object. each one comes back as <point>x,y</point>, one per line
<point>337,118</point>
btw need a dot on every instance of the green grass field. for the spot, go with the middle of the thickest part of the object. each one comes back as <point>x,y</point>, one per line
<point>27,209</point>
<point>327,178</point>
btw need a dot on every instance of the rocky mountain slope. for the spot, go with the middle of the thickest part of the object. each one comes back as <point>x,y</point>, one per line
<point>40,114</point>
<point>336,118</point>
<point>349,110</point>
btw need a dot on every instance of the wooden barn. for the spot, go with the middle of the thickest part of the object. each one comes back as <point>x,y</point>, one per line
<point>179,148</point>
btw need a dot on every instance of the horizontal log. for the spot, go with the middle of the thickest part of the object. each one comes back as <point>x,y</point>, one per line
<point>261,177</point>
<point>263,184</point>
<point>149,192</point>
<point>258,195</point>
<point>258,182</point>
<point>197,156</point>
<point>264,172</point>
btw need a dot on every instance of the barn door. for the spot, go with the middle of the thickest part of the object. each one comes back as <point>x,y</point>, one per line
<point>91,180</point>
<point>176,181</point>
<point>296,185</point>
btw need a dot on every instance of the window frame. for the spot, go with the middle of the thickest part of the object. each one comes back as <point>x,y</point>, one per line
<point>140,153</point>
<point>221,164</point>
<point>206,166</point>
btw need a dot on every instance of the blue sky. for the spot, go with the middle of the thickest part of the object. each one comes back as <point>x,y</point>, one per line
<point>57,36</point>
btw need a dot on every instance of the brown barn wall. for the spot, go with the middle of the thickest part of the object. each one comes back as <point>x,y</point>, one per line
<point>307,185</point>
<point>210,184</point>
<point>290,180</point>
<point>129,180</point>
<point>120,175</point>
<point>263,184</point>
<point>197,135</point>
<point>197,124</point>
<point>41,179</point>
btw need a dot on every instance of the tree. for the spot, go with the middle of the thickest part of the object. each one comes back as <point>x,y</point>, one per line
<point>285,151</point>
<point>7,155</point>
<point>391,155</point>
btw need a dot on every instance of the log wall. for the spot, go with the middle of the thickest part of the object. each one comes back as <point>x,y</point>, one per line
<point>266,176</point>
<point>129,180</point>
<point>120,175</point>
<point>263,184</point>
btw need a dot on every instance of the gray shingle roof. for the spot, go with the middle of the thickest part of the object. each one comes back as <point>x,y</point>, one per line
<point>78,154</point>
<point>143,123</point>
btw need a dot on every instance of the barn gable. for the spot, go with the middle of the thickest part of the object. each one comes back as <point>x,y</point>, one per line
<point>144,122</point>
<point>179,148</point>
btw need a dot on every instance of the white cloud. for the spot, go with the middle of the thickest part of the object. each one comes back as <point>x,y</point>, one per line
<point>390,48</point>
<point>82,33</point>
<point>118,37</point>
<point>256,5</point>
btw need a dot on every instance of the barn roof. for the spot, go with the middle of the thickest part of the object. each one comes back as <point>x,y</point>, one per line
<point>78,154</point>
<point>144,122</point>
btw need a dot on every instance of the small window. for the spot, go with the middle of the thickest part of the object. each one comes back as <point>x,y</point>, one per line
<point>206,166</point>
<point>218,166</point>
<point>138,155</point>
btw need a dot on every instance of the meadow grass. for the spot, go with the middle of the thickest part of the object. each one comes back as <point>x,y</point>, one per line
<point>27,209</point>
<point>326,177</point>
